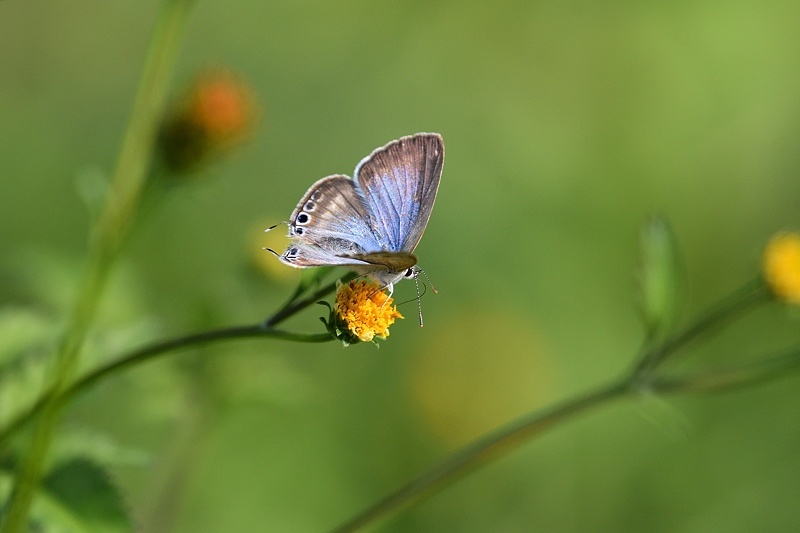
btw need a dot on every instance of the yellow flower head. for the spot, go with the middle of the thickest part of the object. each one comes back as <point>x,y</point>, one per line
<point>364,310</point>
<point>782,266</point>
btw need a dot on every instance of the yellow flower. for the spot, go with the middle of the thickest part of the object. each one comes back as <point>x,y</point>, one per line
<point>364,310</point>
<point>782,266</point>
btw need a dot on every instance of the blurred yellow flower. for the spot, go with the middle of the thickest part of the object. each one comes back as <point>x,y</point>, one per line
<point>479,369</point>
<point>217,113</point>
<point>263,260</point>
<point>363,309</point>
<point>782,266</point>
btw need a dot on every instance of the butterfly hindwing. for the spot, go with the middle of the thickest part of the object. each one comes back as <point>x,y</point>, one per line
<point>303,254</point>
<point>329,221</point>
<point>399,183</point>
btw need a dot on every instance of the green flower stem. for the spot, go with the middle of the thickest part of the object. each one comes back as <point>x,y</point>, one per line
<point>734,304</point>
<point>294,304</point>
<point>110,232</point>
<point>735,377</point>
<point>509,437</point>
<point>481,451</point>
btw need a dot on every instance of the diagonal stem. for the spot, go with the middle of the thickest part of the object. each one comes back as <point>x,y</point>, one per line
<point>482,451</point>
<point>737,302</point>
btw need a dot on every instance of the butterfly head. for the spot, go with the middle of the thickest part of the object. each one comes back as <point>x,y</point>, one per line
<point>387,268</point>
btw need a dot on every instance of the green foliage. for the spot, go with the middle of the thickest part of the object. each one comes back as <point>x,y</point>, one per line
<point>565,127</point>
<point>83,491</point>
<point>76,497</point>
<point>27,338</point>
<point>24,333</point>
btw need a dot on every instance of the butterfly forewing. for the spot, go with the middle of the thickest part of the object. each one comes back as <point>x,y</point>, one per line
<point>399,183</point>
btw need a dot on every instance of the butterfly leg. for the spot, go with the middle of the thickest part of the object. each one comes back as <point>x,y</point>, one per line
<point>390,287</point>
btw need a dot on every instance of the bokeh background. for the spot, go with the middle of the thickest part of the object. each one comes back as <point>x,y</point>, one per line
<point>566,125</point>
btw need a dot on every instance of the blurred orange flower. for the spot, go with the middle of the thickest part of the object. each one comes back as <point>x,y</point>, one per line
<point>217,113</point>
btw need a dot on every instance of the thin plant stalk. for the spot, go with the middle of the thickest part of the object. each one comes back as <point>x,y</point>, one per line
<point>509,437</point>
<point>159,348</point>
<point>109,235</point>
<point>482,451</point>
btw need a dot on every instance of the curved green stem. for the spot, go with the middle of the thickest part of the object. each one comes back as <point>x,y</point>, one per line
<point>151,351</point>
<point>145,353</point>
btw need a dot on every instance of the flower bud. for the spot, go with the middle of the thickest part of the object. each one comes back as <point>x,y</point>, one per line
<point>217,114</point>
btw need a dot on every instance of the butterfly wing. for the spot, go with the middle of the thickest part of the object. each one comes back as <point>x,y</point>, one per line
<point>329,223</point>
<point>398,183</point>
<point>304,254</point>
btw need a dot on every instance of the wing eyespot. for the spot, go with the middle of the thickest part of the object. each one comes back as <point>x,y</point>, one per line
<point>302,218</point>
<point>310,206</point>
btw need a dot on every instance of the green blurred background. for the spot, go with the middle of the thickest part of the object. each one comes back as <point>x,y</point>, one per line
<point>565,123</point>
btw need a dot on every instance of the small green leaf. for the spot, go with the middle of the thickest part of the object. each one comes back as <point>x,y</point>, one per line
<point>661,276</point>
<point>334,328</point>
<point>23,332</point>
<point>76,497</point>
<point>87,495</point>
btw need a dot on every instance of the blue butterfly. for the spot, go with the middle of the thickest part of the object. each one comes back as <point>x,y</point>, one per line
<point>371,223</point>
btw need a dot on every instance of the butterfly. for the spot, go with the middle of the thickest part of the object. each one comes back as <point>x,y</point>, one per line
<point>370,223</point>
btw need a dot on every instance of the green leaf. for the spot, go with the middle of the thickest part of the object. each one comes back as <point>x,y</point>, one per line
<point>76,497</point>
<point>24,332</point>
<point>85,492</point>
<point>20,386</point>
<point>661,277</point>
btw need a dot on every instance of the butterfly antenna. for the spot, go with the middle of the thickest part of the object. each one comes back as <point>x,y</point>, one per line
<point>276,254</point>
<point>429,280</point>
<point>419,296</point>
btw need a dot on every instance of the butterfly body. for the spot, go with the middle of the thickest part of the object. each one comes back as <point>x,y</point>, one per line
<point>373,222</point>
